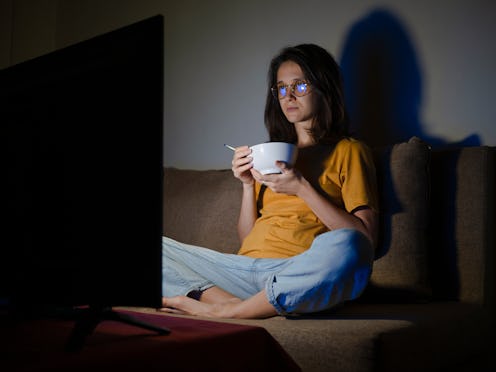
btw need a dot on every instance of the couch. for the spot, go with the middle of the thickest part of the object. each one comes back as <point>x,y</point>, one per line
<point>430,300</point>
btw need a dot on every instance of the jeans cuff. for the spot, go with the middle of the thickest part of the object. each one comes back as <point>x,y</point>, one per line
<point>271,296</point>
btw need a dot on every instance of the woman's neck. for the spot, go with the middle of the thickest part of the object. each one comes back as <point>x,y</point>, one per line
<point>305,139</point>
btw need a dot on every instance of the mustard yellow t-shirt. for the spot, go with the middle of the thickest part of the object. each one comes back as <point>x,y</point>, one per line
<point>287,226</point>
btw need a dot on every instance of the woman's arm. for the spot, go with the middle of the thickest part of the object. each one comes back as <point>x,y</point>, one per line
<point>248,212</point>
<point>292,183</point>
<point>364,219</point>
<point>241,165</point>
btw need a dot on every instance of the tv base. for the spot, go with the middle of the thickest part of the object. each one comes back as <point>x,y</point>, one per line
<point>89,318</point>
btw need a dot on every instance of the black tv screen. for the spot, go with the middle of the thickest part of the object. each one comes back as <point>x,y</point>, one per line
<point>81,173</point>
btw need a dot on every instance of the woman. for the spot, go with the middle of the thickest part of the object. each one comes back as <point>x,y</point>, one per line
<point>312,245</point>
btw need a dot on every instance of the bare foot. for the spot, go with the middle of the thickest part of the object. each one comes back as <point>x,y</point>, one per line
<point>188,306</point>
<point>256,306</point>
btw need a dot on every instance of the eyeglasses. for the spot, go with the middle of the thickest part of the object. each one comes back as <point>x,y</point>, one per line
<point>298,88</point>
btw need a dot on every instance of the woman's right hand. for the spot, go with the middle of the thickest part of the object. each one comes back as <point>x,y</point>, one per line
<point>242,163</point>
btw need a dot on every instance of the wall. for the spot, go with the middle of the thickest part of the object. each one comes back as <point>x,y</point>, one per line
<point>411,68</point>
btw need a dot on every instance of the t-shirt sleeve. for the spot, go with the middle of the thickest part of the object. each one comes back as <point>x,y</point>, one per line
<point>358,177</point>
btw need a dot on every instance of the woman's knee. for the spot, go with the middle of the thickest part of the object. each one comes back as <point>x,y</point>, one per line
<point>336,270</point>
<point>349,264</point>
<point>345,245</point>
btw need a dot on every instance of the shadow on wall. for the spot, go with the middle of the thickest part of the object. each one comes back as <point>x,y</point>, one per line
<point>383,83</point>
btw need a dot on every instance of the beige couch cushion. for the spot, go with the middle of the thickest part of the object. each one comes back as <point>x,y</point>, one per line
<point>379,337</point>
<point>202,208</point>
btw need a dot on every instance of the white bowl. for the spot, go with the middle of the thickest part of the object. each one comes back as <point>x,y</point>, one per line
<point>266,154</point>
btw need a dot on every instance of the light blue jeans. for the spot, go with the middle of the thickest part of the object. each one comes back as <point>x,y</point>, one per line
<point>336,268</point>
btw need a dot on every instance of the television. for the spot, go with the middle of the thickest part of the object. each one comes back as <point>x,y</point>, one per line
<point>81,133</point>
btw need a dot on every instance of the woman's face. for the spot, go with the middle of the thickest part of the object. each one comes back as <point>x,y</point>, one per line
<point>298,110</point>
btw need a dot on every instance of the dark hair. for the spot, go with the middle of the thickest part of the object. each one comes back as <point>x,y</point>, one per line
<point>323,73</point>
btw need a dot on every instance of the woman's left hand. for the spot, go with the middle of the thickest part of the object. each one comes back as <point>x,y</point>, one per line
<point>288,182</point>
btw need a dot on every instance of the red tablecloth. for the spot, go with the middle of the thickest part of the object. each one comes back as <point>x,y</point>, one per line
<point>192,345</point>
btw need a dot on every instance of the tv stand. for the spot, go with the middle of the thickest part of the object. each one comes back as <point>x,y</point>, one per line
<point>88,318</point>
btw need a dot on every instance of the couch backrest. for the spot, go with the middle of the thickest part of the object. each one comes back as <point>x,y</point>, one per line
<point>400,269</point>
<point>462,229</point>
<point>202,208</point>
